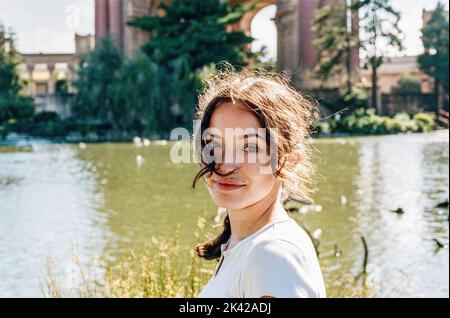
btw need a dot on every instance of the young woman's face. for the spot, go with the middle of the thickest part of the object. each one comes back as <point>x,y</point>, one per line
<point>241,152</point>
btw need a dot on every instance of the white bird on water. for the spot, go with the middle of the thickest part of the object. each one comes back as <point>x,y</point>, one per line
<point>139,160</point>
<point>160,142</point>
<point>137,141</point>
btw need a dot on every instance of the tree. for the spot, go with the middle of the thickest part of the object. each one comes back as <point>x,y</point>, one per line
<point>157,90</point>
<point>195,31</point>
<point>379,23</point>
<point>136,96</point>
<point>13,105</point>
<point>335,37</point>
<point>62,86</point>
<point>189,36</point>
<point>434,60</point>
<point>407,85</point>
<point>142,98</point>
<point>99,72</point>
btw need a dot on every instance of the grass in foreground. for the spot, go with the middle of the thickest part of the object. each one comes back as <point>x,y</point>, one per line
<point>161,271</point>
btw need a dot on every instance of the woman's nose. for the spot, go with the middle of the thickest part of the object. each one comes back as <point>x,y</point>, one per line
<point>228,163</point>
<point>226,167</point>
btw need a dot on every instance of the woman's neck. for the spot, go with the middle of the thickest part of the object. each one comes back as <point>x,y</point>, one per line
<point>245,222</point>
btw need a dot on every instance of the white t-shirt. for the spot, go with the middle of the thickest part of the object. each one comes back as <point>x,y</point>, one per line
<point>278,260</point>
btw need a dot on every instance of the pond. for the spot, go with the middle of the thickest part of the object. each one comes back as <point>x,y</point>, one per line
<point>99,201</point>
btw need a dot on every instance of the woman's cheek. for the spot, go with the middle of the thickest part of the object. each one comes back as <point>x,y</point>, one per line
<point>256,171</point>
<point>255,175</point>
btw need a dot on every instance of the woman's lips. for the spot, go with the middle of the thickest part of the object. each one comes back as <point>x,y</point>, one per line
<point>227,186</point>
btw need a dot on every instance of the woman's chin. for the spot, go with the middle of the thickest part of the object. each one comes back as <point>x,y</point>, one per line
<point>226,201</point>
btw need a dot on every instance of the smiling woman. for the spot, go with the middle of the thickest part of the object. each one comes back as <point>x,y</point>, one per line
<point>254,152</point>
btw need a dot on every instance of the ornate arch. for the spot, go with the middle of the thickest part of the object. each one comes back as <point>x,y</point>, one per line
<point>245,23</point>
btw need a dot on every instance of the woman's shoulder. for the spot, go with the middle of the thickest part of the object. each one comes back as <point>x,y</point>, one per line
<point>285,245</point>
<point>281,238</point>
<point>283,263</point>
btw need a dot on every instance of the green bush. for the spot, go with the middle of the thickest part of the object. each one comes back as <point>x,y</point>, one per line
<point>45,116</point>
<point>366,122</point>
<point>355,99</point>
<point>392,126</point>
<point>15,107</point>
<point>425,121</point>
<point>13,111</point>
<point>51,129</point>
<point>407,84</point>
<point>44,124</point>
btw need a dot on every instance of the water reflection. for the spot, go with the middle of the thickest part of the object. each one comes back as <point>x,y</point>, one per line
<point>408,172</point>
<point>48,210</point>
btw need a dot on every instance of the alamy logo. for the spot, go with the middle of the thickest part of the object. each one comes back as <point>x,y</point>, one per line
<point>235,146</point>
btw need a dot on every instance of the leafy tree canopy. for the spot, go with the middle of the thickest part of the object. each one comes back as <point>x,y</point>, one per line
<point>434,60</point>
<point>196,31</point>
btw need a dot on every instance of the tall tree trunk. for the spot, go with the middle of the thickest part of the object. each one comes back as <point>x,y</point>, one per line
<point>348,67</point>
<point>348,58</point>
<point>437,95</point>
<point>374,96</point>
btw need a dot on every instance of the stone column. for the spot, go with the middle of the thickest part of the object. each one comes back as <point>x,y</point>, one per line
<point>134,38</point>
<point>101,19</point>
<point>30,68</point>
<point>72,69</point>
<point>286,21</point>
<point>306,10</point>
<point>116,21</point>
<point>354,53</point>
<point>50,81</point>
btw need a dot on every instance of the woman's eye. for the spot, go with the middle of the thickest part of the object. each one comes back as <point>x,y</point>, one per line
<point>251,148</point>
<point>216,146</point>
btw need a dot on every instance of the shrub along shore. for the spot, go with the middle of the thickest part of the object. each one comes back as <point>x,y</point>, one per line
<point>359,123</point>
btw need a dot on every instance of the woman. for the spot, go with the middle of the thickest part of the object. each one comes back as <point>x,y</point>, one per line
<point>254,151</point>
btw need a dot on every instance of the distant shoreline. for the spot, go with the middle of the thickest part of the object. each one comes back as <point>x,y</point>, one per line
<point>23,139</point>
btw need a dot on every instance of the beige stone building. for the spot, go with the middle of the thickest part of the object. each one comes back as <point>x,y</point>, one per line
<point>392,69</point>
<point>42,71</point>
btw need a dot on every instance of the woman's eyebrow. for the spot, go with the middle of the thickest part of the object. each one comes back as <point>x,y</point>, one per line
<point>244,136</point>
<point>209,135</point>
